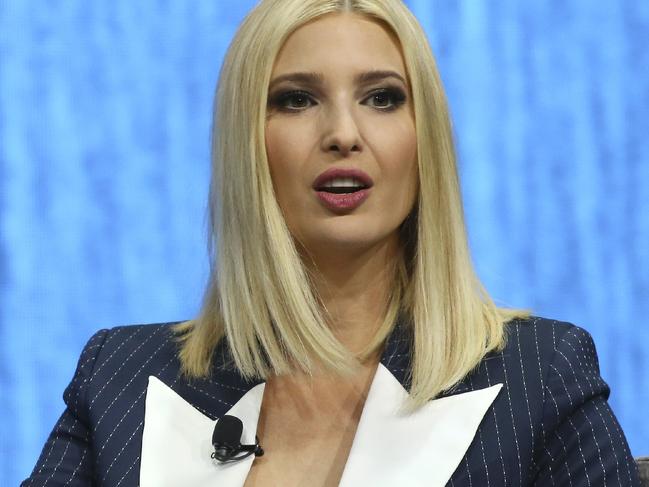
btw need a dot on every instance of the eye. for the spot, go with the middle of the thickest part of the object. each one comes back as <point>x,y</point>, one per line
<point>387,99</point>
<point>384,99</point>
<point>291,101</point>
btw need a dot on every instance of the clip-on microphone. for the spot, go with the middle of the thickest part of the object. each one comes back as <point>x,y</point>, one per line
<point>226,440</point>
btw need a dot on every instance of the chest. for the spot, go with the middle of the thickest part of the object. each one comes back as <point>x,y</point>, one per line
<point>305,442</point>
<point>318,461</point>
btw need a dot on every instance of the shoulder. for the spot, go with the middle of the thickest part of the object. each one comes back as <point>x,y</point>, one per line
<point>547,368</point>
<point>554,348</point>
<point>558,389</point>
<point>569,371</point>
<point>130,348</point>
<point>548,371</point>
<point>540,350</point>
<point>105,405</point>
<point>542,331</point>
<point>113,346</point>
<point>534,347</point>
<point>116,363</point>
<point>542,339</point>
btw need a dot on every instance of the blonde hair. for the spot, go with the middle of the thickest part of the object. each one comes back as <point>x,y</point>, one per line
<point>260,296</point>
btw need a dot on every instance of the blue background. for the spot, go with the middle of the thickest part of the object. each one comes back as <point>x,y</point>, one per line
<point>105,111</point>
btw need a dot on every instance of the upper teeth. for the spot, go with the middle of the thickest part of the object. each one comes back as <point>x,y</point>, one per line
<point>343,183</point>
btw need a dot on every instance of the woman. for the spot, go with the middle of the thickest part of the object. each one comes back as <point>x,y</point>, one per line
<point>344,324</point>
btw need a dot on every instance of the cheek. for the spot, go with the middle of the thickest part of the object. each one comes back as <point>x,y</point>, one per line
<point>275,143</point>
<point>280,155</point>
<point>286,156</point>
<point>402,173</point>
<point>400,157</point>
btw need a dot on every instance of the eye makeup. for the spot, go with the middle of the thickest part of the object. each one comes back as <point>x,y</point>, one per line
<point>282,99</point>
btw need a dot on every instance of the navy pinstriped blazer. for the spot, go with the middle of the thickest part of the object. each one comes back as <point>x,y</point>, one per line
<point>549,425</point>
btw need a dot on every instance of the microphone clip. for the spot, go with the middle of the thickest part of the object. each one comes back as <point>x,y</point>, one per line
<point>228,453</point>
<point>226,440</point>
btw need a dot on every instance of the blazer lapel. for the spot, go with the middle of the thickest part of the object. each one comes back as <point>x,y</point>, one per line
<point>390,448</point>
<point>176,442</point>
<point>422,448</point>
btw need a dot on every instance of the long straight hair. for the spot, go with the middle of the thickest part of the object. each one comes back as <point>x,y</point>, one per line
<point>261,298</point>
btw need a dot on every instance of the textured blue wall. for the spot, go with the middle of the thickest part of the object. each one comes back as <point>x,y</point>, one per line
<point>104,126</point>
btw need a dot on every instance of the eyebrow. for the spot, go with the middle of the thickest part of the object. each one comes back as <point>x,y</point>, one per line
<point>317,79</point>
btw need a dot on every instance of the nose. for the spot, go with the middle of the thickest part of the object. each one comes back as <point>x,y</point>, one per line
<point>341,134</point>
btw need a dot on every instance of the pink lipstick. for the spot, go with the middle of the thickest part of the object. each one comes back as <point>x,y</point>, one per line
<point>352,190</point>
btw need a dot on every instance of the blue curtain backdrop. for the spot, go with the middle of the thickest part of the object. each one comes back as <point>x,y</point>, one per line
<point>104,124</point>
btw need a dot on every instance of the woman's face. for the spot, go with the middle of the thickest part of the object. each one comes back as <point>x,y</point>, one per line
<point>340,134</point>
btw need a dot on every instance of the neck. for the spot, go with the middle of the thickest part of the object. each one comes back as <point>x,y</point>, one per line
<point>354,289</point>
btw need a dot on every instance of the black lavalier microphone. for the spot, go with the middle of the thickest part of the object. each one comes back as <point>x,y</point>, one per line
<point>226,440</point>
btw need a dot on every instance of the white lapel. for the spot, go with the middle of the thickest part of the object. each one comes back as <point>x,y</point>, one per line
<point>423,448</point>
<point>176,442</point>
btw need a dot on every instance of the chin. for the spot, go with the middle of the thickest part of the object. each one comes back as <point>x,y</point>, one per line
<point>355,237</point>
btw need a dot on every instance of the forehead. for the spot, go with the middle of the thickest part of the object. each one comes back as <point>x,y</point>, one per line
<point>340,42</point>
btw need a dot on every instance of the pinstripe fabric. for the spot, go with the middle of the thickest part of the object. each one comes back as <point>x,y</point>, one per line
<point>550,425</point>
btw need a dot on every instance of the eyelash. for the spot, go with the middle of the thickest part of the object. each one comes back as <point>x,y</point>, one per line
<point>280,100</point>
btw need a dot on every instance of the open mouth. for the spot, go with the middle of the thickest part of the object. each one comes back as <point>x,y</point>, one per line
<point>342,186</point>
<point>342,194</point>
